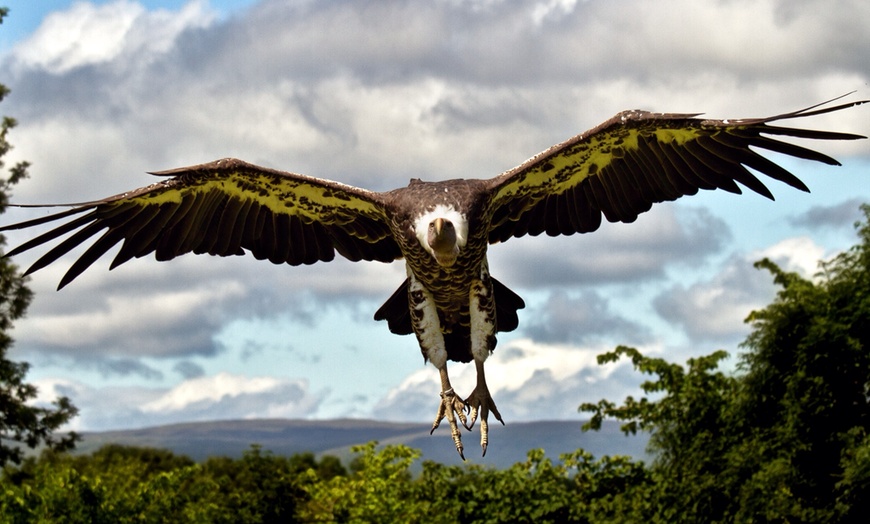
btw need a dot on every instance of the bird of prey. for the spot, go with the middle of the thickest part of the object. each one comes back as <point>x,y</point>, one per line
<point>449,301</point>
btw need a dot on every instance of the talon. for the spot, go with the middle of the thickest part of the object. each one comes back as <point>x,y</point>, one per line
<point>473,416</point>
<point>450,408</point>
<point>482,404</point>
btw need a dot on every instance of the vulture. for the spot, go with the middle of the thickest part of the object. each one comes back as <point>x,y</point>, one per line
<point>442,229</point>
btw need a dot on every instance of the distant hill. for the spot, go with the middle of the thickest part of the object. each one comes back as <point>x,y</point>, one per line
<point>507,444</point>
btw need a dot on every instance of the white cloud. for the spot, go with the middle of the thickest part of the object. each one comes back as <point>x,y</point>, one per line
<point>136,312</point>
<point>168,310</point>
<point>615,253</point>
<point>223,396</point>
<point>88,34</point>
<point>551,8</point>
<point>715,309</point>
<point>128,314</point>
<point>798,254</point>
<point>85,34</point>
<point>580,318</point>
<point>528,380</point>
<point>211,390</point>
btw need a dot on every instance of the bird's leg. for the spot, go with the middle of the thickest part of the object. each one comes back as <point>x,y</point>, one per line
<point>451,406</point>
<point>427,327</point>
<point>481,402</point>
<point>483,328</point>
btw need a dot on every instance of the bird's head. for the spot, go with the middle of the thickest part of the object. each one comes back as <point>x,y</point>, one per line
<point>442,232</point>
<point>441,238</point>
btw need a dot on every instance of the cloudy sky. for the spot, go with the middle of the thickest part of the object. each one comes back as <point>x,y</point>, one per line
<point>372,94</point>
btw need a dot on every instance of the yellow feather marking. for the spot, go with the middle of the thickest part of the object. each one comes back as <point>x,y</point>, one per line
<point>567,168</point>
<point>577,162</point>
<point>162,197</point>
<point>680,136</point>
<point>311,202</point>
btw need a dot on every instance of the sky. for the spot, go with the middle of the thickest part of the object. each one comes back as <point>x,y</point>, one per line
<point>373,94</point>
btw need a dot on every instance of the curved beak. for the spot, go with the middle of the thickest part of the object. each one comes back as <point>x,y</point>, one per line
<point>442,241</point>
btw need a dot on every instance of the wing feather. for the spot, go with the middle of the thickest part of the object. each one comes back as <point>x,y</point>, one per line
<point>785,148</point>
<point>220,239</point>
<point>636,159</point>
<point>223,208</point>
<point>685,170</point>
<point>281,240</point>
<point>54,233</point>
<point>143,229</point>
<point>761,164</point>
<point>736,170</point>
<point>662,186</point>
<point>95,251</point>
<point>64,247</point>
<point>709,173</point>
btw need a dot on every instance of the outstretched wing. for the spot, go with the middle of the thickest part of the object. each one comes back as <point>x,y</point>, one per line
<point>223,208</point>
<point>635,159</point>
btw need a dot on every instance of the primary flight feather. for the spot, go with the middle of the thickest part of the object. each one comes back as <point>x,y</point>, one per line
<point>442,229</point>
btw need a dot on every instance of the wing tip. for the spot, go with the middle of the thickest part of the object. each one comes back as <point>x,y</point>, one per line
<point>813,110</point>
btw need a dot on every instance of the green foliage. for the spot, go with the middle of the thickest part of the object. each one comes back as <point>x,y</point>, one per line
<point>21,424</point>
<point>123,484</point>
<point>786,438</point>
<point>127,484</point>
<point>382,489</point>
<point>576,489</point>
<point>260,487</point>
<point>375,492</point>
<point>688,429</point>
<point>804,391</point>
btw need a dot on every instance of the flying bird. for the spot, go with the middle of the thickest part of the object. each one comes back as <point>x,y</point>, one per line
<point>449,301</point>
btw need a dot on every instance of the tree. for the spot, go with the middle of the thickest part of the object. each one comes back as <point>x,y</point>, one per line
<point>19,422</point>
<point>121,484</point>
<point>259,487</point>
<point>787,438</point>
<point>805,388</point>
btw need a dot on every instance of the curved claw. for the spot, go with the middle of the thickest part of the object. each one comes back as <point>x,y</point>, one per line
<point>450,407</point>
<point>481,402</point>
